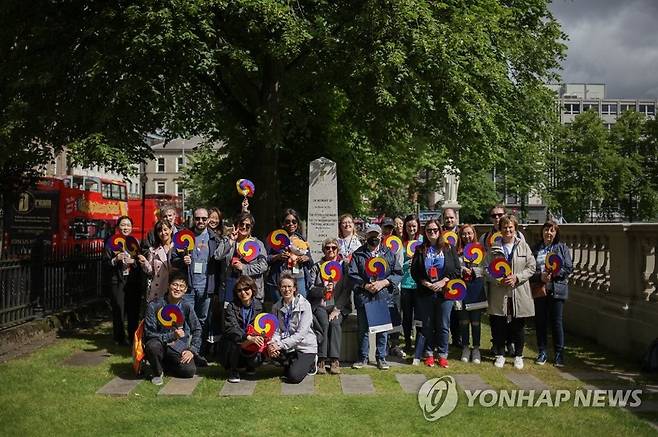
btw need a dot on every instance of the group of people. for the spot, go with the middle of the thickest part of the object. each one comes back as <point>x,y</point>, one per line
<point>220,292</point>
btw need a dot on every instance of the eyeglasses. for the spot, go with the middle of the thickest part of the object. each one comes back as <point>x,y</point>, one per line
<point>245,225</point>
<point>203,219</point>
<point>496,215</point>
<point>242,290</point>
<point>287,287</point>
<point>178,286</point>
<point>290,222</point>
<point>330,247</point>
<point>432,230</point>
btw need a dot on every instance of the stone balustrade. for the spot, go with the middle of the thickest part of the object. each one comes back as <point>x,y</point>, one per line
<point>613,296</point>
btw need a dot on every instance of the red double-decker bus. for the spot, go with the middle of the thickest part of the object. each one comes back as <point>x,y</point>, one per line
<point>62,211</point>
<point>149,209</point>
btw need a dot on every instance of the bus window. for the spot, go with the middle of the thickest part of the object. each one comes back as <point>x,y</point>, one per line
<point>107,190</point>
<point>78,183</point>
<point>92,184</point>
<point>116,191</point>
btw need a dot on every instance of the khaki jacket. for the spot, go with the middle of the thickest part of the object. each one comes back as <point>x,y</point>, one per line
<point>523,266</point>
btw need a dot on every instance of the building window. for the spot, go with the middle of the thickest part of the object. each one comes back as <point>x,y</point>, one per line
<point>572,108</point>
<point>609,109</point>
<point>627,107</point>
<point>160,187</point>
<point>648,109</point>
<point>591,107</point>
<point>180,192</point>
<point>179,164</point>
<point>607,125</point>
<point>160,168</point>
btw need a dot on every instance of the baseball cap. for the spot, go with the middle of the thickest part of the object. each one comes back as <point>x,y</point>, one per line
<point>371,228</point>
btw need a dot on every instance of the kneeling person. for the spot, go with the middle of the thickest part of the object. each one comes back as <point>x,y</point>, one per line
<point>238,348</point>
<point>172,348</point>
<point>294,343</point>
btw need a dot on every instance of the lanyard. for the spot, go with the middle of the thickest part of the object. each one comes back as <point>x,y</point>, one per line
<point>287,316</point>
<point>246,316</point>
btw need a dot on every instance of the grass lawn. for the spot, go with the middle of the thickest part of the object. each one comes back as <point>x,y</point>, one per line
<point>41,396</point>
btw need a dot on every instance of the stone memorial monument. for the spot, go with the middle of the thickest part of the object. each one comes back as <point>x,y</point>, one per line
<point>322,204</point>
<point>450,188</point>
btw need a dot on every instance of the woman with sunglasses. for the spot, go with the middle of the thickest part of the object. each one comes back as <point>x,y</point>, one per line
<point>294,343</point>
<point>434,263</point>
<point>330,302</point>
<point>233,265</point>
<point>279,261</point>
<point>236,347</point>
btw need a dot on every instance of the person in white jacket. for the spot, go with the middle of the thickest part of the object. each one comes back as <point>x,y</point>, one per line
<point>294,343</point>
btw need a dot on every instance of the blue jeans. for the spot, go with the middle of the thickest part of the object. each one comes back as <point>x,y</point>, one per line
<point>548,311</point>
<point>435,315</point>
<point>364,342</point>
<point>200,301</point>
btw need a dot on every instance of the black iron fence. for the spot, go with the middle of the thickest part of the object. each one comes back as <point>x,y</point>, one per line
<point>47,280</point>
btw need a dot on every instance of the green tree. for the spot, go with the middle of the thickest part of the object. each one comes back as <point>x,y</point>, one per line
<point>281,83</point>
<point>586,161</point>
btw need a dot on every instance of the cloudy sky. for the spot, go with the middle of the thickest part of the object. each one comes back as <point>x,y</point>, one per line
<point>613,42</point>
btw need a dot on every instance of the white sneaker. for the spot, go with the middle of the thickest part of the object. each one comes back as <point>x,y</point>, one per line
<point>415,362</point>
<point>500,361</point>
<point>475,356</point>
<point>518,363</point>
<point>466,354</point>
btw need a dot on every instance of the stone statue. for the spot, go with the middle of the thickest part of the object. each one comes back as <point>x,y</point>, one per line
<point>450,184</point>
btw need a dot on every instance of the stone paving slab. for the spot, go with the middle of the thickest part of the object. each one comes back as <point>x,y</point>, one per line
<point>86,358</point>
<point>471,381</point>
<point>180,386</point>
<point>410,382</point>
<point>356,384</point>
<point>306,387</point>
<point>120,386</point>
<point>526,381</point>
<point>242,388</point>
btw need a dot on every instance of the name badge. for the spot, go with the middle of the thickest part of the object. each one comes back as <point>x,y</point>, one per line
<point>296,270</point>
<point>433,273</point>
<point>198,267</point>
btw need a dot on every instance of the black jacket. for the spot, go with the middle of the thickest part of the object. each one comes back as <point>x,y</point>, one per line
<point>234,322</point>
<point>560,283</point>
<point>451,268</point>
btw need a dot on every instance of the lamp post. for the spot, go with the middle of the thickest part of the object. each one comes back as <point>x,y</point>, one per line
<point>143,180</point>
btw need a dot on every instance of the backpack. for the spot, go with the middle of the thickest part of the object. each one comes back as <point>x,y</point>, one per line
<point>650,358</point>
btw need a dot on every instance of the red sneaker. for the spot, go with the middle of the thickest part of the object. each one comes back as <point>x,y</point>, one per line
<point>443,362</point>
<point>429,361</point>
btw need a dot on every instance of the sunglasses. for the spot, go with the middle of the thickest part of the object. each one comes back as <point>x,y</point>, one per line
<point>330,247</point>
<point>496,215</point>
<point>203,219</point>
<point>432,230</point>
<point>245,225</point>
<point>290,222</point>
<point>242,290</point>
